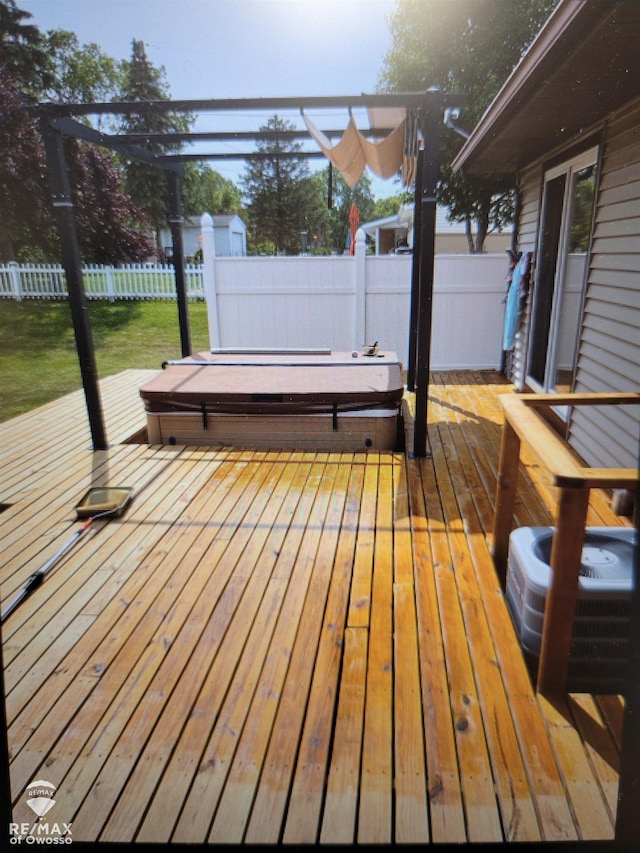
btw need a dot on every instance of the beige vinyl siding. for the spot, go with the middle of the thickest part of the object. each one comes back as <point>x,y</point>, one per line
<point>610,339</point>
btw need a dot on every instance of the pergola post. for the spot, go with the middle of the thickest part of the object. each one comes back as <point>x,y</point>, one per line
<point>65,220</point>
<point>415,276</point>
<point>431,117</point>
<point>209,278</point>
<point>175,224</point>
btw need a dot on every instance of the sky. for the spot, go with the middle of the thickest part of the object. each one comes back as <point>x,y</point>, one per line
<point>241,49</point>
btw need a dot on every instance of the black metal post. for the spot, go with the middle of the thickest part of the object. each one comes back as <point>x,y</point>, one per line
<point>431,134</point>
<point>65,220</point>
<point>175,224</point>
<point>415,276</point>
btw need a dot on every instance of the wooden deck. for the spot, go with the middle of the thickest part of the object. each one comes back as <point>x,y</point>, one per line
<point>285,647</point>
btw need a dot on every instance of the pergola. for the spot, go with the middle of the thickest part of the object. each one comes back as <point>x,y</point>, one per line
<point>60,120</point>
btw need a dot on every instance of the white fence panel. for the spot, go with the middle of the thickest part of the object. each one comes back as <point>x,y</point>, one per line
<point>133,281</point>
<point>388,302</point>
<point>312,301</point>
<point>468,311</point>
<point>284,302</point>
<point>36,281</point>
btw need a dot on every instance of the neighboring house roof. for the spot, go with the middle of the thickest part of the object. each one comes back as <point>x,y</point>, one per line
<point>370,228</point>
<point>584,64</point>
<point>220,220</point>
<point>404,219</point>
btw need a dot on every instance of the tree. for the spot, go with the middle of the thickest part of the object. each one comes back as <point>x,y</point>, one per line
<point>80,73</point>
<point>468,47</point>
<point>205,191</point>
<point>144,183</point>
<point>106,221</point>
<point>390,206</point>
<point>25,218</point>
<point>282,197</point>
<point>104,214</point>
<point>24,53</point>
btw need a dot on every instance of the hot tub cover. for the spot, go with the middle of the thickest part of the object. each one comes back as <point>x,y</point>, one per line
<point>269,382</point>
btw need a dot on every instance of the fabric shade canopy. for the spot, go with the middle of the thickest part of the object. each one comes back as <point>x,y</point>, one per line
<point>354,152</point>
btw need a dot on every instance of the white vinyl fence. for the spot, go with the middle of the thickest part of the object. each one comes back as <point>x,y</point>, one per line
<point>339,302</point>
<point>132,281</point>
<point>345,302</point>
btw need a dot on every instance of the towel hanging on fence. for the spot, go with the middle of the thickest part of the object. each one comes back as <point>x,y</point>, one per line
<point>353,153</point>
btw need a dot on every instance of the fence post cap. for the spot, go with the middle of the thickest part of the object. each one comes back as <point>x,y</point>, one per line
<point>206,220</point>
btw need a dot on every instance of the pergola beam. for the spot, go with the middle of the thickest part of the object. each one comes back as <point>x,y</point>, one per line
<point>168,159</point>
<point>71,127</point>
<point>242,136</point>
<point>408,100</point>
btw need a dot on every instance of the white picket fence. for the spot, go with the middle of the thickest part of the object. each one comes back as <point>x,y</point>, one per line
<point>132,281</point>
<point>291,302</point>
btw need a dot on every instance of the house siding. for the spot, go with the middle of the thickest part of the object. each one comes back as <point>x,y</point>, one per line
<point>610,332</point>
<point>608,349</point>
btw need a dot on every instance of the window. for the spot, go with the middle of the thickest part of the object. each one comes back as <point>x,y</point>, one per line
<point>565,232</point>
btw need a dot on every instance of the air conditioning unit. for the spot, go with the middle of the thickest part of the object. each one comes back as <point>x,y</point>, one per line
<point>599,646</point>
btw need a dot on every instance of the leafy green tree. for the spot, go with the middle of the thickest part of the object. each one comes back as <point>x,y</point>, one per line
<point>468,47</point>
<point>283,200</point>
<point>333,224</point>
<point>81,73</point>
<point>317,216</point>
<point>390,206</point>
<point>205,191</point>
<point>144,183</point>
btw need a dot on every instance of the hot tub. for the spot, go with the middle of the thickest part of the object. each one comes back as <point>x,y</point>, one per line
<point>276,399</point>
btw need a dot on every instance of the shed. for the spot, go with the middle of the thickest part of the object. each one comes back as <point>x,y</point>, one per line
<point>565,131</point>
<point>230,234</point>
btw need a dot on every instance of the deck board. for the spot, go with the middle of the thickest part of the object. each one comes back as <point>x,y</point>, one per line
<point>279,646</point>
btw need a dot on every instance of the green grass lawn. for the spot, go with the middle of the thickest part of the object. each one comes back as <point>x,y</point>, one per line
<point>38,356</point>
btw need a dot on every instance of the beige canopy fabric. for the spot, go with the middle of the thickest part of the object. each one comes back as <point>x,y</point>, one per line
<point>353,153</point>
